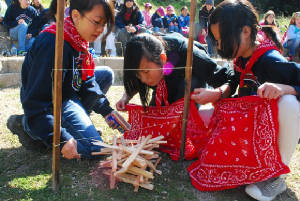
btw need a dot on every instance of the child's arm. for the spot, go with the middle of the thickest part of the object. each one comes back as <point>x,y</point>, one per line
<point>123,102</point>
<point>291,33</point>
<point>205,95</point>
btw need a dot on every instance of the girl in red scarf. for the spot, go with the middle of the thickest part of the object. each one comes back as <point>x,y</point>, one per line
<point>260,70</point>
<point>82,92</point>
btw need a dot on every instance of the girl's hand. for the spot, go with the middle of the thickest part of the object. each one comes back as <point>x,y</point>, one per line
<point>203,96</point>
<point>69,150</point>
<point>274,90</point>
<point>171,24</point>
<point>132,29</point>
<point>28,36</point>
<point>122,103</point>
<point>21,21</point>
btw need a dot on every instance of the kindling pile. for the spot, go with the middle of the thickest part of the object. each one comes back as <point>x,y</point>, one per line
<point>131,161</point>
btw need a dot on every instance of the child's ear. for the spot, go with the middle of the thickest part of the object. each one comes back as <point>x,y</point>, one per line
<point>75,16</point>
<point>163,58</point>
<point>246,31</point>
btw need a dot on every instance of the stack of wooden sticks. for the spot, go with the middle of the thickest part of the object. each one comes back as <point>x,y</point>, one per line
<point>131,161</point>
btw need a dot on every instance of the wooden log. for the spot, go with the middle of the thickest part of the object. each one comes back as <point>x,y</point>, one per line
<point>133,156</point>
<point>156,139</point>
<point>139,171</point>
<point>131,180</point>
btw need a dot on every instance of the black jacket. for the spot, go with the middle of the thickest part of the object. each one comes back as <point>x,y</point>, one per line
<point>205,70</point>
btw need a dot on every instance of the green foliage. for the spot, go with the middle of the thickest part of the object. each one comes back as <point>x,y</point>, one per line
<point>280,7</point>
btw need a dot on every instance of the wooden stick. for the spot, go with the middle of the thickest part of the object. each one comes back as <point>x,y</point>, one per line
<point>139,171</point>
<point>57,96</point>
<point>131,180</point>
<point>188,75</point>
<point>114,165</point>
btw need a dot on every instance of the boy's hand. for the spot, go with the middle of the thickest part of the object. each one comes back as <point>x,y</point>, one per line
<point>69,150</point>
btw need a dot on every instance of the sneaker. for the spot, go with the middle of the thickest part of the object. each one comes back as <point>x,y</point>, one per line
<point>291,58</point>
<point>266,190</point>
<point>22,53</point>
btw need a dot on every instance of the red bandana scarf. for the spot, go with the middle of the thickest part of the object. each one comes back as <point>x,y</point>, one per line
<point>72,36</point>
<point>161,93</point>
<point>259,51</point>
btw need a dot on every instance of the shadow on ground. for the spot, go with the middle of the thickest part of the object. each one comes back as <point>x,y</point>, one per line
<point>25,174</point>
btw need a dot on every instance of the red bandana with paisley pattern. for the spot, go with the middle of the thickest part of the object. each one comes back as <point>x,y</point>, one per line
<point>72,36</point>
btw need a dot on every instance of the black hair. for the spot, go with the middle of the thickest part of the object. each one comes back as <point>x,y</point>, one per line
<point>134,16</point>
<point>16,3</point>
<point>269,31</point>
<point>183,8</point>
<point>84,6</point>
<point>142,45</point>
<point>232,16</point>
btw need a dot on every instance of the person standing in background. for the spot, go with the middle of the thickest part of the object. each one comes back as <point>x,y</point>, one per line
<point>204,13</point>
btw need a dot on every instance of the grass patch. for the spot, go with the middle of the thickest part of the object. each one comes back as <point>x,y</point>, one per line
<point>26,175</point>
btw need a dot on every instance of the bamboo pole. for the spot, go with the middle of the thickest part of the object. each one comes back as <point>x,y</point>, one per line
<point>188,75</point>
<point>57,96</point>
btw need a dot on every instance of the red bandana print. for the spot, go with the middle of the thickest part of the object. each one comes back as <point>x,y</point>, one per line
<point>242,147</point>
<point>259,51</point>
<point>78,43</point>
<point>238,147</point>
<point>161,93</point>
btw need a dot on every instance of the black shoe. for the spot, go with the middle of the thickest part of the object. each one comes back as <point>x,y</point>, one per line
<point>14,124</point>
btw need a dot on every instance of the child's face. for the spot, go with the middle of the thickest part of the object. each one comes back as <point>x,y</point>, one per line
<point>244,48</point>
<point>149,72</point>
<point>91,24</point>
<point>270,19</point>
<point>184,12</point>
<point>129,3</point>
<point>36,2</point>
<point>208,7</point>
<point>169,12</point>
<point>297,21</point>
<point>24,3</point>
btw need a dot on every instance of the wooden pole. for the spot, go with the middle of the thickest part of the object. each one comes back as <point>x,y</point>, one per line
<point>188,76</point>
<point>57,96</point>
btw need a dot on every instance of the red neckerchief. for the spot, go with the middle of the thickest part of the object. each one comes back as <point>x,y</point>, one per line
<point>258,52</point>
<point>72,36</point>
<point>127,15</point>
<point>161,93</point>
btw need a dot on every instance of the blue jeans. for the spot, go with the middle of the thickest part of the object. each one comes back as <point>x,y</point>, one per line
<point>173,28</point>
<point>209,46</point>
<point>75,120</point>
<point>292,46</point>
<point>156,29</point>
<point>19,33</point>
